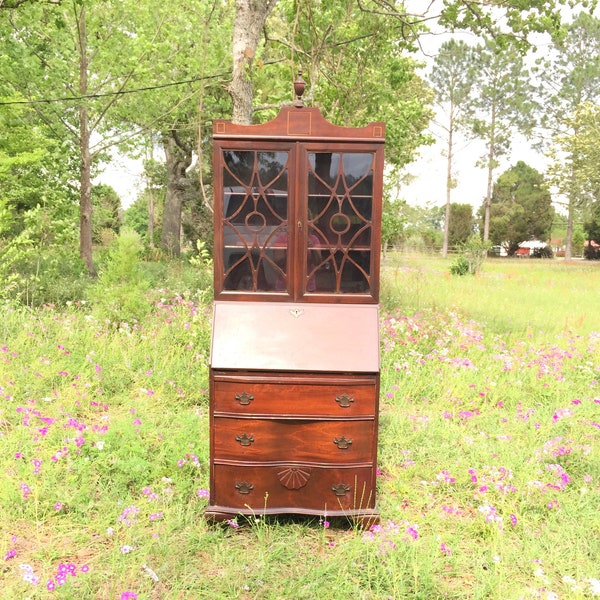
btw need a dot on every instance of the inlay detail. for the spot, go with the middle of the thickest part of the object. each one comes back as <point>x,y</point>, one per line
<point>294,478</point>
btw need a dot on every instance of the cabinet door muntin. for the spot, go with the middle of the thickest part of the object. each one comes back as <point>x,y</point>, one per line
<point>254,211</point>
<point>340,213</point>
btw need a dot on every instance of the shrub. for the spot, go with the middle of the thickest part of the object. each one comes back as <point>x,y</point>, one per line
<point>460,266</point>
<point>545,252</point>
<point>591,252</point>
<point>471,257</point>
<point>119,294</point>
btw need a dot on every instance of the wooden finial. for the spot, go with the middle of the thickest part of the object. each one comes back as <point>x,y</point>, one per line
<point>299,87</point>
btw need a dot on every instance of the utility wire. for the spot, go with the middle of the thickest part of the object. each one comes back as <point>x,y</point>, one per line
<point>166,85</point>
<point>123,92</point>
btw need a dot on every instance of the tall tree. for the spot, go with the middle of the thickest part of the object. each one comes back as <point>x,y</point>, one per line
<point>579,170</point>
<point>178,154</point>
<point>571,77</point>
<point>250,17</point>
<point>357,69</point>
<point>174,116</point>
<point>72,61</point>
<point>460,228</point>
<point>452,86</point>
<point>521,208</point>
<point>500,106</point>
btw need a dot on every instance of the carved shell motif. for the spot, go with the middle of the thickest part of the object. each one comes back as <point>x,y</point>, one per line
<point>293,478</point>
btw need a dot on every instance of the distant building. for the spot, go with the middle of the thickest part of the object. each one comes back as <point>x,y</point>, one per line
<point>529,247</point>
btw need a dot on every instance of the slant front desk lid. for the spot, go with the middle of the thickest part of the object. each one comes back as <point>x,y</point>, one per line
<point>295,337</point>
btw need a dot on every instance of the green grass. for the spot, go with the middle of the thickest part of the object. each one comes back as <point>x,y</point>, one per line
<point>509,295</point>
<point>488,454</point>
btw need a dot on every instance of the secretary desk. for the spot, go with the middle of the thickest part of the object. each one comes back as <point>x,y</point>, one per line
<point>294,367</point>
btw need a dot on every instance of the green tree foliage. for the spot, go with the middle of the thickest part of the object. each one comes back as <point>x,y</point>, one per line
<point>179,118</point>
<point>570,84</point>
<point>357,69</point>
<point>461,224</point>
<point>118,295</point>
<point>472,255</point>
<point>510,22</point>
<point>38,208</point>
<point>393,223</point>
<point>106,209</point>
<point>500,106</point>
<point>71,60</point>
<point>577,175</point>
<point>521,208</point>
<point>452,87</point>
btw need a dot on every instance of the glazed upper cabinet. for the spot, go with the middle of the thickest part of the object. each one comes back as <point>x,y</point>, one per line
<point>298,209</point>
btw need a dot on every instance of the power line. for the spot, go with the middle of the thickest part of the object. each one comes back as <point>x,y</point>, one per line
<point>124,92</point>
<point>165,85</point>
<point>108,94</point>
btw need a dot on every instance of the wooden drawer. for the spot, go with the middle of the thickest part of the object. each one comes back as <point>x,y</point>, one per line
<point>336,397</point>
<point>293,488</point>
<point>340,441</point>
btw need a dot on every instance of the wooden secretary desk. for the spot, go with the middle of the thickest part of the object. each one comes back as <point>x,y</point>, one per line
<point>294,373</point>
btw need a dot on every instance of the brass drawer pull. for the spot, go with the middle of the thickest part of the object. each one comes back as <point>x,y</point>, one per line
<point>341,489</point>
<point>344,400</point>
<point>244,398</point>
<point>244,439</point>
<point>244,487</point>
<point>342,443</point>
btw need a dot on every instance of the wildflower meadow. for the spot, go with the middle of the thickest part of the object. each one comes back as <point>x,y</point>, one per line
<point>489,469</point>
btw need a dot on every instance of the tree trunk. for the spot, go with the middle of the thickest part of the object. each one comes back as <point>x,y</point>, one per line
<point>491,165</point>
<point>179,158</point>
<point>573,201</point>
<point>250,17</point>
<point>85,200</point>
<point>151,219</point>
<point>449,185</point>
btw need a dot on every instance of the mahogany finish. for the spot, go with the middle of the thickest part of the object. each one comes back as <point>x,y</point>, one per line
<point>294,379</point>
<point>297,209</point>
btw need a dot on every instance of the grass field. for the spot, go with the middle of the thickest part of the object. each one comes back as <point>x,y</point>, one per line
<point>489,483</point>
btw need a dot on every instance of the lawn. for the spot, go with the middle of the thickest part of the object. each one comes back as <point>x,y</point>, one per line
<point>489,483</point>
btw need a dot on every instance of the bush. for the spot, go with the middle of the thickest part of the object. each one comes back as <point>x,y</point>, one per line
<point>545,252</point>
<point>471,257</point>
<point>460,266</point>
<point>119,294</point>
<point>591,253</point>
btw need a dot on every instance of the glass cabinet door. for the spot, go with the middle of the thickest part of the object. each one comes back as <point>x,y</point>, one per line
<point>339,222</point>
<point>255,214</point>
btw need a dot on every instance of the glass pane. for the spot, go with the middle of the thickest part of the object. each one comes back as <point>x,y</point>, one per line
<point>340,212</point>
<point>356,272</point>
<point>255,214</point>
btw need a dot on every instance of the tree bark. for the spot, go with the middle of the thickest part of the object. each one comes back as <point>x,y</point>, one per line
<point>491,165</point>
<point>448,184</point>
<point>250,17</point>
<point>85,200</point>
<point>570,219</point>
<point>179,158</point>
